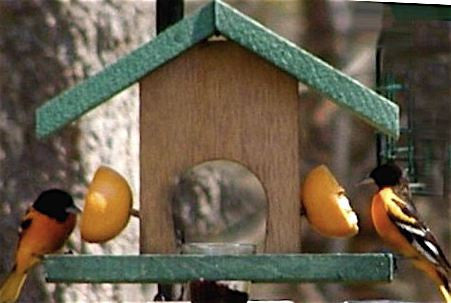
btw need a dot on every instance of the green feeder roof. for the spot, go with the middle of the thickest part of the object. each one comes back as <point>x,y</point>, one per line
<point>218,18</point>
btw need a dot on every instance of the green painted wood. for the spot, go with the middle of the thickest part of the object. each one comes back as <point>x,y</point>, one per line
<point>421,12</point>
<point>95,90</point>
<point>279,268</point>
<point>342,89</point>
<point>218,17</point>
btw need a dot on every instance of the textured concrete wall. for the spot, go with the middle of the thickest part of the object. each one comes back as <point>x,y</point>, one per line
<point>45,47</point>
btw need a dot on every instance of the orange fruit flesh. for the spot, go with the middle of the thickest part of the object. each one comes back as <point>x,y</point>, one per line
<point>107,206</point>
<point>326,206</point>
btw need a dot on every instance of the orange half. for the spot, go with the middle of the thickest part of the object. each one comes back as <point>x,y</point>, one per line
<point>326,206</point>
<point>107,206</point>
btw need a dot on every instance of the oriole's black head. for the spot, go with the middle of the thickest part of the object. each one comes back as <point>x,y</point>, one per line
<point>388,174</point>
<point>55,203</point>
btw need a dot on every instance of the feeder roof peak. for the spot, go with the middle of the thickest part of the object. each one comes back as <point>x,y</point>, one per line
<point>216,18</point>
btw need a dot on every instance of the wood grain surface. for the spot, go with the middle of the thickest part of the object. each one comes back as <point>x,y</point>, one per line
<point>219,101</point>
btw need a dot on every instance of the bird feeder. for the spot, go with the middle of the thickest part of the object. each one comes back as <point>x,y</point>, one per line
<point>423,143</point>
<point>219,85</point>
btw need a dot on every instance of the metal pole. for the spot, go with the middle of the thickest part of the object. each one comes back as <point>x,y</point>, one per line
<point>168,13</point>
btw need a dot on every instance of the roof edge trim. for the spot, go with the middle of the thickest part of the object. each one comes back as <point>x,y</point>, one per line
<point>74,102</point>
<point>342,89</point>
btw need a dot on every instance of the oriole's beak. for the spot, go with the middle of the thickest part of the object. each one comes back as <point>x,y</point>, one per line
<point>365,181</point>
<point>73,209</point>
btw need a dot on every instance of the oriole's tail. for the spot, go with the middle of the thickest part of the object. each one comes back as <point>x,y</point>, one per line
<point>445,293</point>
<point>10,288</point>
<point>443,284</point>
<point>438,274</point>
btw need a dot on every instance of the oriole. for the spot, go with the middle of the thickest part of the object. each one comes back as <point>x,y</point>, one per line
<point>397,222</point>
<point>45,227</point>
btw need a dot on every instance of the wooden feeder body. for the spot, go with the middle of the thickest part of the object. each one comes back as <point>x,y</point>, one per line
<point>219,101</point>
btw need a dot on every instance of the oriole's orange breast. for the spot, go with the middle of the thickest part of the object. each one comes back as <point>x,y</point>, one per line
<point>386,229</point>
<point>44,235</point>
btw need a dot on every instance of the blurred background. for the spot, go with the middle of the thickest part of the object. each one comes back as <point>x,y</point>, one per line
<point>48,46</point>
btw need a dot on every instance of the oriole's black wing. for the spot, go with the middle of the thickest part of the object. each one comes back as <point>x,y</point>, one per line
<point>418,234</point>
